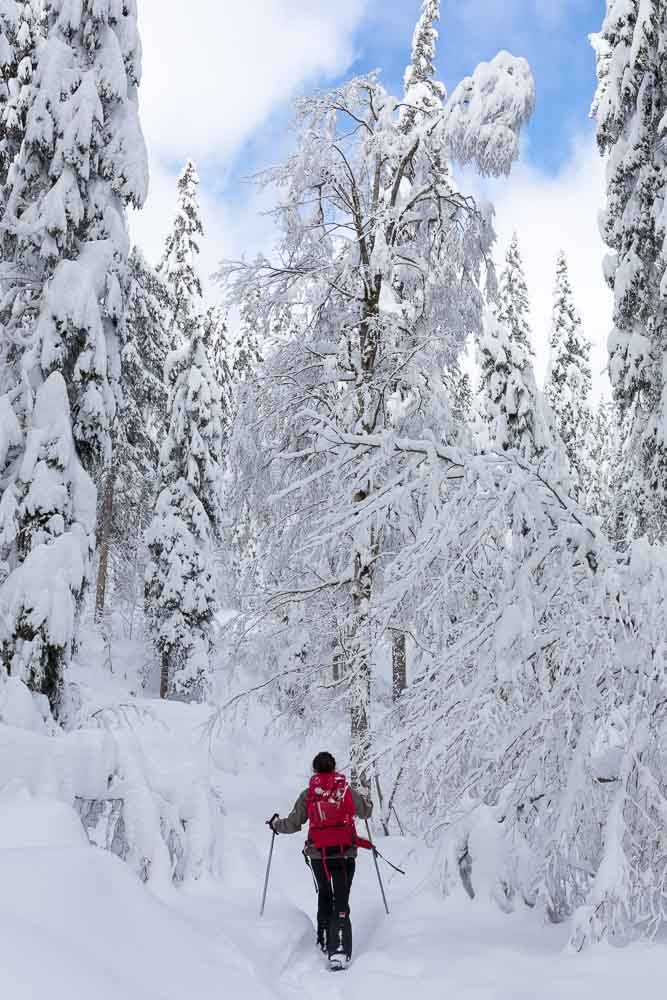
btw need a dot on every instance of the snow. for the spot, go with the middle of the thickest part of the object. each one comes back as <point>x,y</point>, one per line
<point>25,823</point>
<point>124,753</point>
<point>99,932</point>
<point>10,430</point>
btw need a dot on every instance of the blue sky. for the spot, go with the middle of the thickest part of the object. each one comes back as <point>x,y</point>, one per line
<point>551,34</point>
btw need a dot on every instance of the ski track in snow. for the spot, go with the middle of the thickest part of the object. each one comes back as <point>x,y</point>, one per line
<point>427,949</point>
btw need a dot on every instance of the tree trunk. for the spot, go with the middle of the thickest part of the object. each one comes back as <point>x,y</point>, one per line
<point>399,665</point>
<point>360,699</point>
<point>384,819</point>
<point>104,541</point>
<point>338,665</point>
<point>164,676</point>
<point>364,565</point>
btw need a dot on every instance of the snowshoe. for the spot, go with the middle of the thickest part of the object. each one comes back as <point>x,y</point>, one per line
<point>339,961</point>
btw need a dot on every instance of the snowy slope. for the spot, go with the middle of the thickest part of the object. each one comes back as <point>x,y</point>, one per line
<point>76,922</point>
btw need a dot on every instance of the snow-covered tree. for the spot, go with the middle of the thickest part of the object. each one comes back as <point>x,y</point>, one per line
<point>631,111</point>
<point>129,480</point>
<point>81,163</point>
<point>143,356</point>
<point>244,350</point>
<point>65,245</point>
<point>179,267</point>
<point>375,318</point>
<point>423,93</point>
<point>47,521</point>
<point>181,598</point>
<point>513,301</point>
<point>568,385</point>
<point>511,406</point>
<point>603,459</point>
<point>18,53</point>
<point>19,30</point>
<point>219,350</point>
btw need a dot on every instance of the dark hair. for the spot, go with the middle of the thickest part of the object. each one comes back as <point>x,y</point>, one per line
<point>324,763</point>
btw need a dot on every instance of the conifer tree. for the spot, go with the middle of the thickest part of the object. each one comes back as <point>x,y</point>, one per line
<point>19,31</point>
<point>631,111</point>
<point>48,522</point>
<point>244,352</point>
<point>511,407</point>
<point>180,578</point>
<point>178,267</point>
<point>18,51</point>
<point>569,381</point>
<point>513,301</point>
<point>218,348</point>
<point>603,462</point>
<point>80,164</point>
<point>181,588</point>
<point>424,93</point>
<point>130,476</point>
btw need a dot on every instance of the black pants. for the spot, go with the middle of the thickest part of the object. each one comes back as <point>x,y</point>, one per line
<point>333,903</point>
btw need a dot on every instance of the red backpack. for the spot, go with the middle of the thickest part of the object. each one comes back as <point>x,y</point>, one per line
<point>331,812</point>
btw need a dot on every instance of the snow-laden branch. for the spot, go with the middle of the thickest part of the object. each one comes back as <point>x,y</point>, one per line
<point>484,115</point>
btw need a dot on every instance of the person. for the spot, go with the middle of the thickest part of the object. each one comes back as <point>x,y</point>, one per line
<point>329,806</point>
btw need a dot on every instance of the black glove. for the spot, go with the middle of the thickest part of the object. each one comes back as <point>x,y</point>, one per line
<point>271,821</point>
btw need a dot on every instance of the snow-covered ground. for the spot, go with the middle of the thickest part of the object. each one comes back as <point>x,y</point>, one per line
<point>76,922</point>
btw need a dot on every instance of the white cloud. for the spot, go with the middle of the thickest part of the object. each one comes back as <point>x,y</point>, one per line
<point>215,69</point>
<point>553,213</point>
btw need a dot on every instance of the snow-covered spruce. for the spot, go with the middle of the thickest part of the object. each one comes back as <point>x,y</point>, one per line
<point>423,92</point>
<point>221,354</point>
<point>19,29</point>
<point>568,385</point>
<point>234,355</point>
<point>605,463</point>
<point>181,597</point>
<point>129,481</point>
<point>631,111</point>
<point>513,301</point>
<point>178,266</point>
<point>48,519</point>
<point>510,404</point>
<point>81,162</point>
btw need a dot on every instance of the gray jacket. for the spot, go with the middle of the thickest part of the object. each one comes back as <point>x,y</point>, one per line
<point>298,818</point>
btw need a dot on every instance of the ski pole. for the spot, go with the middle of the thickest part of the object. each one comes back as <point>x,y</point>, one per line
<point>268,870</point>
<point>377,869</point>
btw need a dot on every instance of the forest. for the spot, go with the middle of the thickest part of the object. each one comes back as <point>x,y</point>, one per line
<point>321,497</point>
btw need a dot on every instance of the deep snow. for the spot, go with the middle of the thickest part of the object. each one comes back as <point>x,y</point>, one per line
<point>76,922</point>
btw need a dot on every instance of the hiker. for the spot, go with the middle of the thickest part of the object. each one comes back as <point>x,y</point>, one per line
<point>329,806</point>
